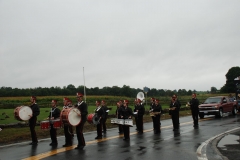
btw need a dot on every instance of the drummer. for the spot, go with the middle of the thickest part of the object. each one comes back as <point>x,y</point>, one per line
<point>106,110</point>
<point>126,113</point>
<point>118,110</point>
<point>54,114</point>
<point>33,119</point>
<point>68,129</point>
<point>82,106</point>
<point>100,114</point>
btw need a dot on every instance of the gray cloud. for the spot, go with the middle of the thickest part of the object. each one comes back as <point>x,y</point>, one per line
<point>159,44</point>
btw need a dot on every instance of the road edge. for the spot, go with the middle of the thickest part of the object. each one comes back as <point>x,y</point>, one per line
<point>201,151</point>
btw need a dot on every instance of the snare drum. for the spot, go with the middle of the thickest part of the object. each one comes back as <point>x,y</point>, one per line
<point>57,123</point>
<point>120,121</point>
<point>22,113</point>
<point>92,118</point>
<point>114,120</point>
<point>128,122</point>
<point>45,124</point>
<point>70,116</point>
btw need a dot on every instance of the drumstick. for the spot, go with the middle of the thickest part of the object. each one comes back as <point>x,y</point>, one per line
<point>77,113</point>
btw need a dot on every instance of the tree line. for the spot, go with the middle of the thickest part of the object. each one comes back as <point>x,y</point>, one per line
<point>126,91</point>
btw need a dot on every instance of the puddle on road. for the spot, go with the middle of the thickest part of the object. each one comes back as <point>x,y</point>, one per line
<point>228,140</point>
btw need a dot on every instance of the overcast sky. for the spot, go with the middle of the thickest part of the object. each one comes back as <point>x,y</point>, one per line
<point>167,44</point>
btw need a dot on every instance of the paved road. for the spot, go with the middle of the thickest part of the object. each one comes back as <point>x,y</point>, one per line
<point>166,146</point>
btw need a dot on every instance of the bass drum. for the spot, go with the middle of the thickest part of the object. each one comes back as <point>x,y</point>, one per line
<point>70,116</point>
<point>92,119</point>
<point>22,113</point>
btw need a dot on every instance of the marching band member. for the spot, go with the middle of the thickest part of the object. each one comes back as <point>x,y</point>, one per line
<point>100,114</point>
<point>33,119</point>
<point>156,118</point>
<point>140,112</point>
<point>82,106</point>
<point>54,114</point>
<point>68,131</point>
<point>152,104</point>
<point>174,112</point>
<point>136,118</point>
<point>118,110</point>
<point>126,113</point>
<point>194,103</point>
<point>106,109</point>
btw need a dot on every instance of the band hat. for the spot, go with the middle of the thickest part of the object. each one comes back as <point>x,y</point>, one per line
<point>97,102</point>
<point>139,101</point>
<point>79,94</point>
<point>33,97</point>
<point>157,100</point>
<point>125,101</point>
<point>54,101</point>
<point>65,99</point>
<point>103,101</point>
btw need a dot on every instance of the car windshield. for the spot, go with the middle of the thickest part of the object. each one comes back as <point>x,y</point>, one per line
<point>212,100</point>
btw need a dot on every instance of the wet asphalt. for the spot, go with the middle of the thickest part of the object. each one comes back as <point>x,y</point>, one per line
<point>168,145</point>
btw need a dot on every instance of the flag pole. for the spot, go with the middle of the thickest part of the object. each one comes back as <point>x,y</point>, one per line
<point>84,86</point>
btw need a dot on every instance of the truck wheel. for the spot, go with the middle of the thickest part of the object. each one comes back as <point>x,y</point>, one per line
<point>201,115</point>
<point>220,114</point>
<point>234,111</point>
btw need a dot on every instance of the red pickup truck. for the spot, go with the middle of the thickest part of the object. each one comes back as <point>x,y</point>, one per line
<point>217,106</point>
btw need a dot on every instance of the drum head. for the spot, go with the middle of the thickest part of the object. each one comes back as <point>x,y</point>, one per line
<point>73,117</point>
<point>24,113</point>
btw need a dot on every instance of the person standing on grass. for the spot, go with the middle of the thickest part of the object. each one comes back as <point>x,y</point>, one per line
<point>33,119</point>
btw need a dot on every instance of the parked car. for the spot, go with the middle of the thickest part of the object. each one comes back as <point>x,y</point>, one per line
<point>217,106</point>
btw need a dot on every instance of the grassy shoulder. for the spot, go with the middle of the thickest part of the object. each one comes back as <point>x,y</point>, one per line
<point>21,134</point>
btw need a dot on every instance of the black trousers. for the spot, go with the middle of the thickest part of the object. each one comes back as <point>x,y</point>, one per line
<point>126,131</point>
<point>53,134</point>
<point>175,120</point>
<point>195,117</point>
<point>32,123</point>
<point>140,123</point>
<point>156,123</point>
<point>79,132</point>
<point>68,134</point>
<point>136,120</point>
<point>99,128</point>
<point>120,129</point>
<point>104,124</point>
